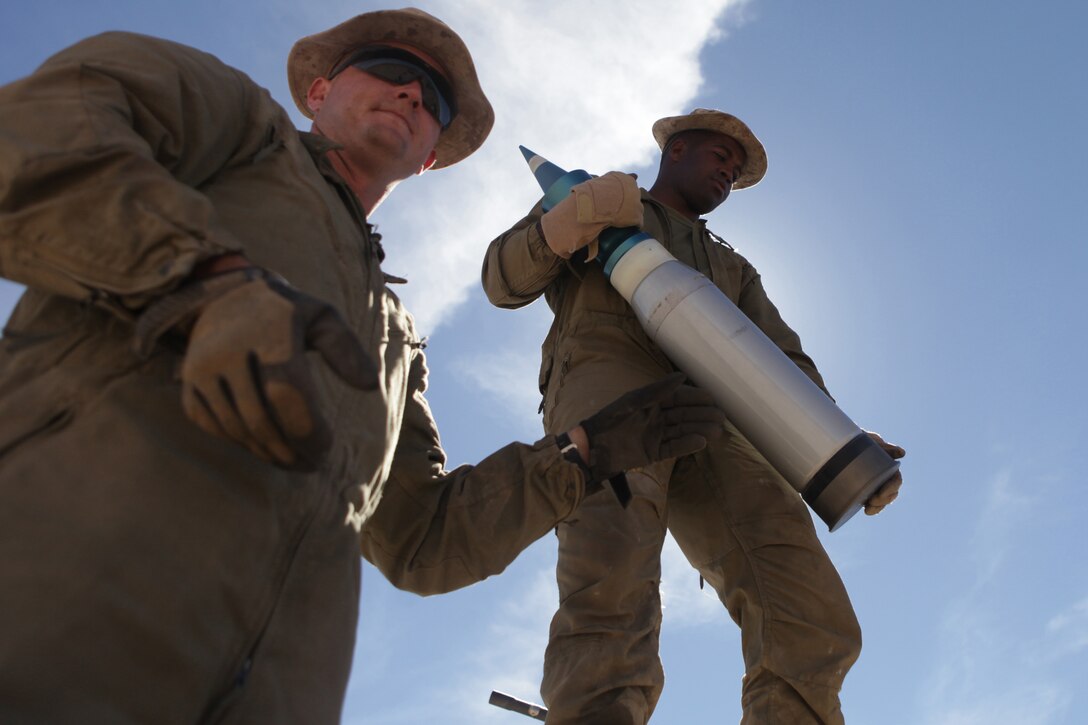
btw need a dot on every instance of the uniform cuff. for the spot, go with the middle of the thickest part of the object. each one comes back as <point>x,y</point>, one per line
<point>569,451</point>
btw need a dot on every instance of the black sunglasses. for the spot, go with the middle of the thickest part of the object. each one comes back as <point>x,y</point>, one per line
<point>401,67</point>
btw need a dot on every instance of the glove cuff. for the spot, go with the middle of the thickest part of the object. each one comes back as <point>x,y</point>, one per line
<point>569,450</point>
<point>613,200</point>
<point>179,309</point>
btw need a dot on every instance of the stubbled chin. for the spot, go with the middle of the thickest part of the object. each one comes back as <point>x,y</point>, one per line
<point>387,140</point>
<point>718,198</point>
<point>707,205</point>
<point>393,121</point>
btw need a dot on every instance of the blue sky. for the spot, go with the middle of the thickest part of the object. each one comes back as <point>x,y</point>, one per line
<point>921,225</point>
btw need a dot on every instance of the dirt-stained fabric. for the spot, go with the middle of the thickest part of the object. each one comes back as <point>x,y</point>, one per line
<point>739,524</point>
<point>150,572</point>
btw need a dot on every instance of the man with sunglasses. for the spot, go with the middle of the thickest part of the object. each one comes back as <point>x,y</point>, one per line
<point>184,486</point>
<point>745,530</point>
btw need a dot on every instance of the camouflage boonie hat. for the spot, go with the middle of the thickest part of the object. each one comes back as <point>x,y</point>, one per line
<point>707,119</point>
<point>316,55</point>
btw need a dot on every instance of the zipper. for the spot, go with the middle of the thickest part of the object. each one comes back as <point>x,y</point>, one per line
<point>221,705</point>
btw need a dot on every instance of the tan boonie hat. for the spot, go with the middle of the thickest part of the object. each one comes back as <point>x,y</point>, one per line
<point>316,55</point>
<point>707,119</point>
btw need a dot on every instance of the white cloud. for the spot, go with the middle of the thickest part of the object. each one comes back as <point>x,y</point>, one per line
<point>580,83</point>
<point>509,378</point>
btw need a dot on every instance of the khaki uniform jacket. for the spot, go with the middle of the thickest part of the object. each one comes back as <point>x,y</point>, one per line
<point>596,348</point>
<point>133,545</point>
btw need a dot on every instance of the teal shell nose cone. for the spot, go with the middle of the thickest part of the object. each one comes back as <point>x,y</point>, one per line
<point>556,185</point>
<point>554,181</point>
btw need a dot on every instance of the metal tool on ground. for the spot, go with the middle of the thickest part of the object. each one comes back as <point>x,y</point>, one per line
<point>821,452</point>
<point>508,702</point>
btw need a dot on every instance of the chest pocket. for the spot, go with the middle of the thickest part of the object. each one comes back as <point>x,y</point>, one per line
<point>599,356</point>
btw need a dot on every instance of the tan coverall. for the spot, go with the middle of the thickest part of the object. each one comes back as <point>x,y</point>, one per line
<point>737,521</point>
<point>149,572</point>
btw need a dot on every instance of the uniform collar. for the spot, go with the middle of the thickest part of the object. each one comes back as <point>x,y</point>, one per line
<point>674,216</point>
<point>318,147</point>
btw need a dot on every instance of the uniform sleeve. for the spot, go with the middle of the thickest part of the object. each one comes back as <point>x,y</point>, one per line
<point>755,303</point>
<point>103,151</point>
<point>435,531</point>
<point>519,264</point>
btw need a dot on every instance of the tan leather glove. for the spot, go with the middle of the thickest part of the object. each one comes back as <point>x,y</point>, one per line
<point>612,200</point>
<point>246,376</point>
<point>890,490</point>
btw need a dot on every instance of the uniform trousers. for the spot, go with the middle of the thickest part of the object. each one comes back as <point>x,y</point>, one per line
<point>750,536</point>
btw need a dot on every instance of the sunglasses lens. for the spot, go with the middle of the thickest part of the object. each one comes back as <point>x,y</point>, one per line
<point>400,72</point>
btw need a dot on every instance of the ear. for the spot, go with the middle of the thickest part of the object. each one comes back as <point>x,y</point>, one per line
<point>677,148</point>
<point>431,158</point>
<point>317,93</point>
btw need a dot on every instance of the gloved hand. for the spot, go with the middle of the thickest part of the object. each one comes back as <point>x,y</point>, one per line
<point>612,200</point>
<point>890,490</point>
<point>662,420</point>
<point>245,375</point>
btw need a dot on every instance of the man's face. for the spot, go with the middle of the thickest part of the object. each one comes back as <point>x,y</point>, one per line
<point>706,164</point>
<point>385,122</point>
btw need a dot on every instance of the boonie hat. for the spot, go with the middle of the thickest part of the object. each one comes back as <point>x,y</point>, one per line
<point>708,119</point>
<point>316,55</point>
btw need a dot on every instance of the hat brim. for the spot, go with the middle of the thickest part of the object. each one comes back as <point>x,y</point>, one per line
<point>755,165</point>
<point>315,56</point>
